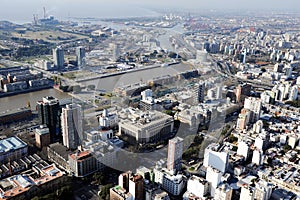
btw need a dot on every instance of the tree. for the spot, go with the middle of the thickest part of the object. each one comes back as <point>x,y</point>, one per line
<point>104,194</point>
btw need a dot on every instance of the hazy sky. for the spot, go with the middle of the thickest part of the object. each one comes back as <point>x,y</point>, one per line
<point>22,10</point>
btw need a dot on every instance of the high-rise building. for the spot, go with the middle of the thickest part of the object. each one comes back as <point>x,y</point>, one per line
<point>257,157</point>
<point>58,58</point>
<point>71,124</point>
<point>198,92</point>
<point>263,190</point>
<point>42,136</point>
<point>49,114</point>
<point>254,105</point>
<point>243,149</point>
<point>293,95</point>
<point>217,160</point>
<point>175,150</point>
<point>213,176</point>
<point>80,54</point>
<point>136,187</point>
<point>124,180</point>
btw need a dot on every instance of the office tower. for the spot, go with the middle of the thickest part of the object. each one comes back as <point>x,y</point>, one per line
<point>175,150</point>
<point>49,114</point>
<point>243,57</point>
<point>58,58</point>
<point>42,136</point>
<point>214,47</point>
<point>116,52</point>
<point>80,54</point>
<point>71,124</point>
<point>198,92</point>
<point>206,46</point>
<point>136,187</point>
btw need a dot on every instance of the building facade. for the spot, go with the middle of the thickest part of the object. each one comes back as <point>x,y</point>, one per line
<point>72,125</point>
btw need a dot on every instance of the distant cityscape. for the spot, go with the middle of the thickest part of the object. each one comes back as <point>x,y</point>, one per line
<point>178,106</point>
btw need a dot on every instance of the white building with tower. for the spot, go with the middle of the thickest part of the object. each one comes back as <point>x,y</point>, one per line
<point>107,119</point>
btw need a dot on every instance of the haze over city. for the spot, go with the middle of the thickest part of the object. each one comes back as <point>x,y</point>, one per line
<point>22,11</point>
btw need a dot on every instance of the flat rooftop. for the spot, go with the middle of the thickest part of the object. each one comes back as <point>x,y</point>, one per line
<point>10,144</point>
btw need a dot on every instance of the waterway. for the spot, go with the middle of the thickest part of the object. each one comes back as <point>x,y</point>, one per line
<point>20,100</point>
<point>109,83</point>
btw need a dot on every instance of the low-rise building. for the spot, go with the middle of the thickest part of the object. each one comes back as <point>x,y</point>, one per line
<point>82,163</point>
<point>145,127</point>
<point>12,149</point>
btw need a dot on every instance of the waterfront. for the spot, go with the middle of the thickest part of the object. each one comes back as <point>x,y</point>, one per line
<point>109,83</point>
<point>20,100</point>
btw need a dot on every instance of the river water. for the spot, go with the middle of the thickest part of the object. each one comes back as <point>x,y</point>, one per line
<point>109,83</point>
<point>20,100</point>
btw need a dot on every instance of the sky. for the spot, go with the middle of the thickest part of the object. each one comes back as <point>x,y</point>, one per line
<point>23,10</point>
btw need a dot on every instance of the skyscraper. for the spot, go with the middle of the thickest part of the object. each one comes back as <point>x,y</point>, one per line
<point>80,54</point>
<point>175,150</point>
<point>58,58</point>
<point>198,92</point>
<point>71,124</point>
<point>49,114</point>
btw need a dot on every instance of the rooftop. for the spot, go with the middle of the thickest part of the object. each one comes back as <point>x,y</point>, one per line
<point>60,149</point>
<point>80,155</point>
<point>10,144</point>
